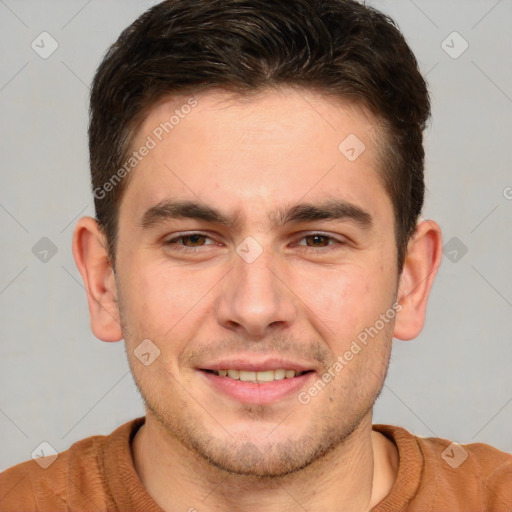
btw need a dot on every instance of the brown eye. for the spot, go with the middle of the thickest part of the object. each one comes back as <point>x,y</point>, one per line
<point>195,240</point>
<point>320,242</point>
<point>317,240</point>
<point>190,241</point>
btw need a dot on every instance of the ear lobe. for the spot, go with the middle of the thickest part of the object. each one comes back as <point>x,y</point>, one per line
<point>91,258</point>
<point>423,258</point>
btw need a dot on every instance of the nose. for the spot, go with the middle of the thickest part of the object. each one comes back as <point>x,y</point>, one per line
<point>254,298</point>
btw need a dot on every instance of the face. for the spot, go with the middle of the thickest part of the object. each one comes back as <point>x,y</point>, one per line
<point>249,241</point>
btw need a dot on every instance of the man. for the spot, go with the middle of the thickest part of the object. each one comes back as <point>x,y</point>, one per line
<point>257,170</point>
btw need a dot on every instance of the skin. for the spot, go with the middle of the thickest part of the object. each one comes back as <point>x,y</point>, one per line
<point>303,298</point>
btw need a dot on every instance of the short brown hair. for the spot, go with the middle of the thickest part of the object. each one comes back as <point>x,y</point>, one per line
<point>339,47</point>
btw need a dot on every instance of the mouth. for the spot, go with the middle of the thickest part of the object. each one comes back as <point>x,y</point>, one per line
<point>263,387</point>
<point>260,377</point>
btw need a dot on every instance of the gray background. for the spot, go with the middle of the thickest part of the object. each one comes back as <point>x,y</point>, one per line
<point>59,384</point>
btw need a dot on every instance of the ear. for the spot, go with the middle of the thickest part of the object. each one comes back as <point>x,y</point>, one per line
<point>91,258</point>
<point>422,261</point>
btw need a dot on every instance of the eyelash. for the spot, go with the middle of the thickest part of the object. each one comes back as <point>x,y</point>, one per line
<point>184,248</point>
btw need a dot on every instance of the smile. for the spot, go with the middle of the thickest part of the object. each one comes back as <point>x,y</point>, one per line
<point>258,377</point>
<point>257,387</point>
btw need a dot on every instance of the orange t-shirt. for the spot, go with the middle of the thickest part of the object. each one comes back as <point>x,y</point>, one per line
<point>97,473</point>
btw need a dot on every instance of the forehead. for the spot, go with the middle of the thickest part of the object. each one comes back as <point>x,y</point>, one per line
<point>281,145</point>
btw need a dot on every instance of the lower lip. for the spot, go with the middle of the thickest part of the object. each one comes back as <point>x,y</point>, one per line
<point>257,393</point>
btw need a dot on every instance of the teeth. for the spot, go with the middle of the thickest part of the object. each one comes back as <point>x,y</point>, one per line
<point>247,376</point>
<point>234,374</point>
<point>265,376</point>
<point>279,374</point>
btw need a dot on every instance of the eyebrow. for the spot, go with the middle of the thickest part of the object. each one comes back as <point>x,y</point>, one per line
<point>330,209</point>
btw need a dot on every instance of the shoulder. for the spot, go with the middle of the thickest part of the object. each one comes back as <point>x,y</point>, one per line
<point>55,484</point>
<point>443,475</point>
<point>482,472</point>
<point>44,480</point>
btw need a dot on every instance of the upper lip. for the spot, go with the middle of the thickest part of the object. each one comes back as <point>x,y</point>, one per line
<point>254,364</point>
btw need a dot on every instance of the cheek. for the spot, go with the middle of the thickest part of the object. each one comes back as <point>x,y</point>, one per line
<point>344,301</point>
<point>155,298</point>
<point>168,302</point>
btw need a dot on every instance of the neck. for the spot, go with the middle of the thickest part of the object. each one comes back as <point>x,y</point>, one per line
<point>354,476</point>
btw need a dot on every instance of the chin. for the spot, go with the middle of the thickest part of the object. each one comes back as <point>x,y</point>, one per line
<point>249,460</point>
<point>260,457</point>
